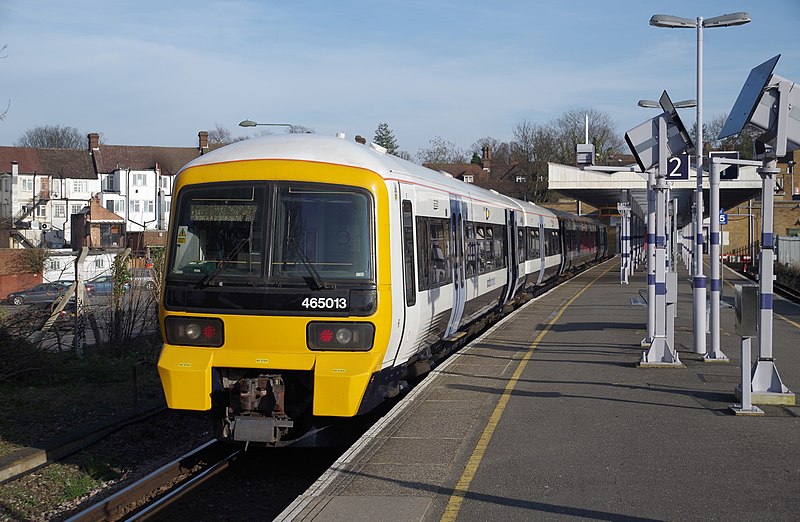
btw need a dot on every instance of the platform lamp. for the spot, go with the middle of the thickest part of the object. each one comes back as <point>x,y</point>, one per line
<point>251,123</point>
<point>726,20</point>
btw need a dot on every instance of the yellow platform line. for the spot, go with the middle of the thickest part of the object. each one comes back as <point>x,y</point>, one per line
<point>462,487</point>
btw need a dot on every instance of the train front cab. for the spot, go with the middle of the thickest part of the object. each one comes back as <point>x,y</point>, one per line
<point>261,281</point>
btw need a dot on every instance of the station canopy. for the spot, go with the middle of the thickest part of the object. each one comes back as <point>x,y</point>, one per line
<point>605,189</point>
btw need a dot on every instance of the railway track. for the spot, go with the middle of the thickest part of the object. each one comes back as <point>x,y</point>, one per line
<point>150,495</point>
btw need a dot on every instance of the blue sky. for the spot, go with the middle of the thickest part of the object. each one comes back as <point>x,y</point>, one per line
<point>155,73</point>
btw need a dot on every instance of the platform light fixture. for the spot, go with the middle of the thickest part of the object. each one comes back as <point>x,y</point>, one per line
<point>251,123</point>
<point>652,104</point>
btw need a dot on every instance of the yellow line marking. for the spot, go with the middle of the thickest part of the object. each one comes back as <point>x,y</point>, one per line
<point>462,487</point>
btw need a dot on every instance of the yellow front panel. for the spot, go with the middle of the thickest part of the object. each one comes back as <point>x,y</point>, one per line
<point>186,377</point>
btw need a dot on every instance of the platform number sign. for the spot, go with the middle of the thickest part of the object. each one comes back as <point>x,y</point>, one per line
<point>723,217</point>
<point>678,167</point>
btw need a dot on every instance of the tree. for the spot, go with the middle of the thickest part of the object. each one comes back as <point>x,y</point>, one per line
<point>220,134</point>
<point>52,137</point>
<point>301,129</point>
<point>385,138</point>
<point>569,129</point>
<point>743,142</point>
<point>500,152</point>
<point>533,147</point>
<point>441,151</point>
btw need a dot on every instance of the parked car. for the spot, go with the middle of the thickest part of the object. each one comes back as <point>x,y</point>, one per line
<point>41,293</point>
<point>104,285</point>
<point>143,278</point>
<point>68,283</point>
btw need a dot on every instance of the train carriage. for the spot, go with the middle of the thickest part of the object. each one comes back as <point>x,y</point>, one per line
<point>308,276</point>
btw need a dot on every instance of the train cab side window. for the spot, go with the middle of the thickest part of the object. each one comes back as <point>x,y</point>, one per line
<point>521,244</point>
<point>408,253</point>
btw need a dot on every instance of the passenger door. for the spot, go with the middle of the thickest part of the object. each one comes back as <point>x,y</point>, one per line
<point>458,213</point>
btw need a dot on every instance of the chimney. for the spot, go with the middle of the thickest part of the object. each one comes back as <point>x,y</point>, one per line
<point>14,169</point>
<point>94,141</point>
<point>487,158</point>
<point>202,143</point>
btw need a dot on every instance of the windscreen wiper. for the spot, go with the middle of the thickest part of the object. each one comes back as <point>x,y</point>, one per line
<point>209,278</point>
<point>318,282</point>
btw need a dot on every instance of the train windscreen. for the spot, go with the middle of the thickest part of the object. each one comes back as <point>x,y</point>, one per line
<point>272,233</point>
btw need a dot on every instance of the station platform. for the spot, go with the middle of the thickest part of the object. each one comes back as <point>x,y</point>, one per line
<point>547,416</point>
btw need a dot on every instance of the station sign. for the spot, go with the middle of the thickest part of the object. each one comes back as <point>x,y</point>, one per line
<point>730,171</point>
<point>623,207</point>
<point>678,167</point>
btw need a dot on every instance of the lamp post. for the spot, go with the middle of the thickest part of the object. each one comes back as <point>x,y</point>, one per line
<point>652,232</point>
<point>251,123</point>
<point>699,301</point>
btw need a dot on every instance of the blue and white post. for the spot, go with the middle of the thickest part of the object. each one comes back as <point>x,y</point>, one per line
<point>660,353</point>
<point>767,385</point>
<point>715,355</point>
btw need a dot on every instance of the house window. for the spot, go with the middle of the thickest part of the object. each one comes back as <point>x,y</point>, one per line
<point>120,206</point>
<point>75,209</point>
<point>149,206</point>
<point>99,262</point>
<point>59,211</point>
<point>166,182</point>
<point>138,179</point>
<point>27,184</point>
<point>520,179</point>
<point>136,206</point>
<point>41,211</point>
<point>469,178</point>
<point>54,264</point>
<point>79,185</point>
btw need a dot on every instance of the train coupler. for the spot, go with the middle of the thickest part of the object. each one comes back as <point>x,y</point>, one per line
<point>256,413</point>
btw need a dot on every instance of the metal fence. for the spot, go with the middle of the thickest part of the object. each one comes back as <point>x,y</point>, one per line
<point>788,250</point>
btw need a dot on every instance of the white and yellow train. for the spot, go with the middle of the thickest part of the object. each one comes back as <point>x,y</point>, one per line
<point>309,276</point>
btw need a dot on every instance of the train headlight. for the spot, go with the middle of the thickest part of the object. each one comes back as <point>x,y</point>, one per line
<point>340,336</point>
<point>194,331</point>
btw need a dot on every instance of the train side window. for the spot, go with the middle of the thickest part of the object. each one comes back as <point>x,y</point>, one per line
<point>408,253</point>
<point>440,257</point>
<point>533,243</point>
<point>472,250</point>
<point>499,247</point>
<point>521,244</point>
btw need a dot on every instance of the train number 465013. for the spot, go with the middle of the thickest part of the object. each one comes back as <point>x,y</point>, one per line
<point>325,303</point>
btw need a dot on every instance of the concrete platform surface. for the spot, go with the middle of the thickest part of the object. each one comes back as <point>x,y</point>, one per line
<point>548,417</point>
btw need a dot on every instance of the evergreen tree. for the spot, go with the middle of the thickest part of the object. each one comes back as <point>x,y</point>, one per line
<point>385,138</point>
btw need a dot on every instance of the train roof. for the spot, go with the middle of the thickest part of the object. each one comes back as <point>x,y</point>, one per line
<point>326,149</point>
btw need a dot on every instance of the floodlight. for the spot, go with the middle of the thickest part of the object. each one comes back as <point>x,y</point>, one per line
<point>770,103</point>
<point>669,108</point>
<point>748,98</point>
<point>643,140</point>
